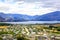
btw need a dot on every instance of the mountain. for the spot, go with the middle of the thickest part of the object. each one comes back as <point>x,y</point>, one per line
<point>53,16</point>
<point>2,19</point>
<point>19,17</point>
<point>15,17</point>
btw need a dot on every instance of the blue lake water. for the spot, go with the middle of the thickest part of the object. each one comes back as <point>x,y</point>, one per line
<point>33,22</point>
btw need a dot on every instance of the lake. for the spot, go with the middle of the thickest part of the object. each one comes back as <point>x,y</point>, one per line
<point>33,22</point>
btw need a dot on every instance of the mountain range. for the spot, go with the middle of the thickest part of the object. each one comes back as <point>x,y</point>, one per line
<point>53,16</point>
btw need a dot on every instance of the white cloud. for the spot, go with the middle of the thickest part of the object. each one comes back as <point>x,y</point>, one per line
<point>22,7</point>
<point>52,3</point>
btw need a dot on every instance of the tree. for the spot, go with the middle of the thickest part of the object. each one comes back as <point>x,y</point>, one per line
<point>1,38</point>
<point>20,37</point>
<point>50,27</point>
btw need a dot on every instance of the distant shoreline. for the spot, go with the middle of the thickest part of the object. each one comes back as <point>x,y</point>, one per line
<point>34,22</point>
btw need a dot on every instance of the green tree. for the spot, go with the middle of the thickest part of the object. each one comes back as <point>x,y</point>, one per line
<point>50,27</point>
<point>1,38</point>
<point>20,37</point>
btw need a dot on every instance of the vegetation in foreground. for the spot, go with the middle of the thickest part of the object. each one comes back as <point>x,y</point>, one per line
<point>29,32</point>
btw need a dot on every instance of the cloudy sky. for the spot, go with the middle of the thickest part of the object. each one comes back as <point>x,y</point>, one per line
<point>29,7</point>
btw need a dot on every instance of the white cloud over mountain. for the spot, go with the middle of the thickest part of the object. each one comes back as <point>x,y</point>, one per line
<point>29,7</point>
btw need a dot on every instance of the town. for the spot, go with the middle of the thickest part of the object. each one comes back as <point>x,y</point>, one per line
<point>30,32</point>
